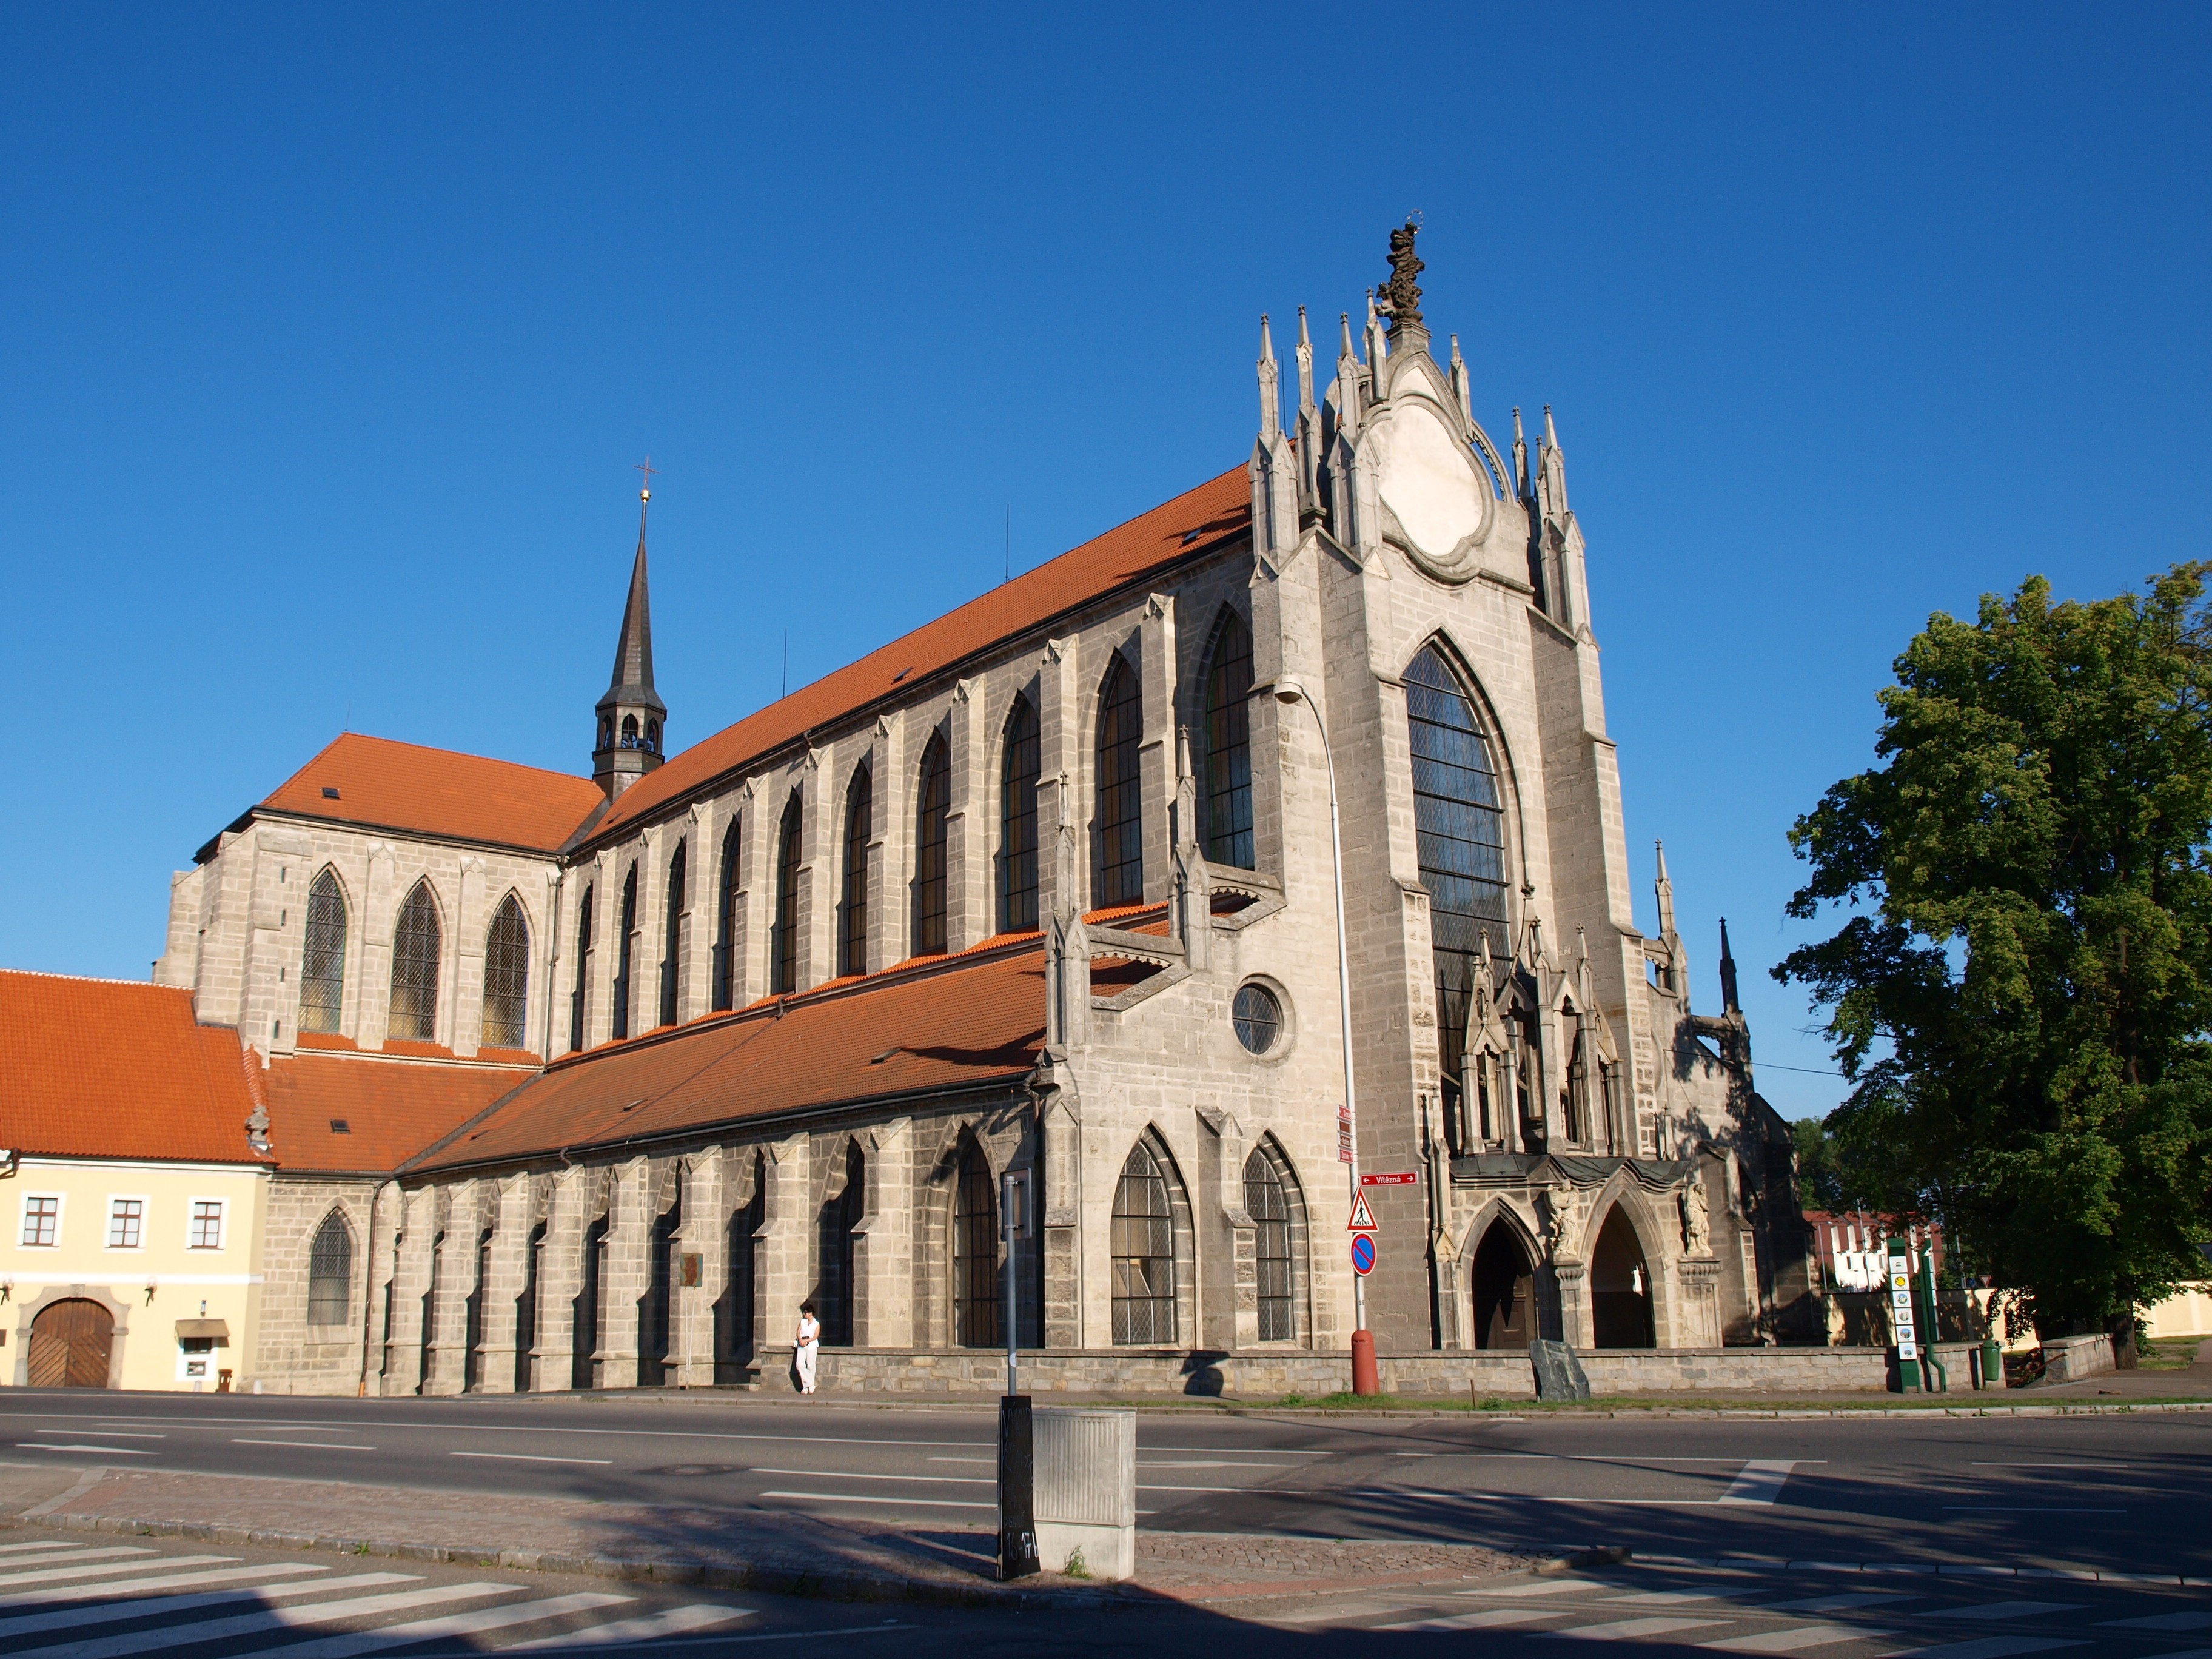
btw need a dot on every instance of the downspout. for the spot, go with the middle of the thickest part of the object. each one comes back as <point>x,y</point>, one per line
<point>368,1293</point>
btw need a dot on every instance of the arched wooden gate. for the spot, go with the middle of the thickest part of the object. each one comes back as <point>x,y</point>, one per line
<point>71,1342</point>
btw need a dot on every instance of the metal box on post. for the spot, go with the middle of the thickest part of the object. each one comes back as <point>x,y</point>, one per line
<point>1086,1491</point>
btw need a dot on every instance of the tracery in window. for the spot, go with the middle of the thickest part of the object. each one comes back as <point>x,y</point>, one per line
<point>853,911</point>
<point>1121,873</point>
<point>1227,783</point>
<point>1269,1206</point>
<point>329,1272</point>
<point>1144,1246</point>
<point>418,942</point>
<point>577,998</point>
<point>626,927</point>
<point>507,977</point>
<point>1018,765</point>
<point>974,1252</point>
<point>671,949</point>
<point>932,818</point>
<point>726,923</point>
<point>784,947</point>
<point>322,962</point>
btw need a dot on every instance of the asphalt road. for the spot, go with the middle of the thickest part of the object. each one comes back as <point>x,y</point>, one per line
<point>2127,1492</point>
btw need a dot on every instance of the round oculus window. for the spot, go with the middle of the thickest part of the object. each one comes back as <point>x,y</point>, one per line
<point>1259,1017</point>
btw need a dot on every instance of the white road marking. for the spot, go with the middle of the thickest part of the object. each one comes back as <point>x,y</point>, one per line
<point>648,1627</point>
<point>2020,1509</point>
<point>105,1451</point>
<point>176,1580</point>
<point>2163,1621</point>
<point>1992,1647</point>
<point>1488,1618</point>
<point>525,1458</point>
<point>924,1480</point>
<point>253,1624</point>
<point>116,1609</point>
<point>312,1445</point>
<point>1632,1630</point>
<point>84,1554</point>
<point>1837,1603</point>
<point>2003,1610</point>
<point>113,1434</point>
<point>1543,1587</point>
<point>1790,1640</point>
<point>453,1624</point>
<point>109,1569</point>
<point>1760,1482</point>
<point>46,1544</point>
<point>1978,1464</point>
<point>862,1498</point>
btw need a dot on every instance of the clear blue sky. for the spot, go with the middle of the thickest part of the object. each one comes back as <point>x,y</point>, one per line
<point>328,336</point>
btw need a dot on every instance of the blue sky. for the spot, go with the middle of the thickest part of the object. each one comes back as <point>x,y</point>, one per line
<point>328,337</point>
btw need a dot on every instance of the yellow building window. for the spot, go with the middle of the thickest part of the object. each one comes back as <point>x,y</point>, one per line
<point>207,1225</point>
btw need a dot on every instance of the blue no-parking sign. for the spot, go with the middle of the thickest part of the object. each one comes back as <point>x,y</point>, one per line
<point>1363,1255</point>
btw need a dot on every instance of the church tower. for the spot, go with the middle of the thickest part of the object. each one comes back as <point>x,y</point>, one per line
<point>631,714</point>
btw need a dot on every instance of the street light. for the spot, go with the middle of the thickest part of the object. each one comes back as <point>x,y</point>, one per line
<point>1365,1380</point>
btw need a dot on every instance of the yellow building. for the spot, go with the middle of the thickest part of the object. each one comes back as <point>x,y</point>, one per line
<point>134,1180</point>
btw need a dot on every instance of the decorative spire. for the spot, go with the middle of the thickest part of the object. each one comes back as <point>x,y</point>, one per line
<point>1520,454</point>
<point>1551,432</point>
<point>1729,1004</point>
<point>1666,889</point>
<point>1271,397</point>
<point>1305,362</point>
<point>630,715</point>
<point>1402,294</point>
<point>1460,387</point>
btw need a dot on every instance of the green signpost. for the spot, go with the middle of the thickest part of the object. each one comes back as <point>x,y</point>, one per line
<point>1904,1328</point>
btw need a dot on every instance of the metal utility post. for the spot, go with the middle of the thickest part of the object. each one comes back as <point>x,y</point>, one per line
<point>1903,1329</point>
<point>1365,1377</point>
<point>1018,1545</point>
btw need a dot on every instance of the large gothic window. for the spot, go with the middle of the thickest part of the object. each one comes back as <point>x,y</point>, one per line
<point>840,1216</point>
<point>1144,1253</point>
<point>507,977</point>
<point>626,926</point>
<point>1018,820</point>
<point>322,966</point>
<point>1120,876</point>
<point>329,1272</point>
<point>1269,1206</point>
<point>853,911</point>
<point>416,943</point>
<point>1461,834</point>
<point>671,947</point>
<point>726,923</point>
<point>783,948</point>
<point>577,997</point>
<point>931,819</point>
<point>1228,780</point>
<point>974,1253</point>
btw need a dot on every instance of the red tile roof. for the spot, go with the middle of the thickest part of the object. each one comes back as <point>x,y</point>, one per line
<point>391,1109</point>
<point>977,1020</point>
<point>1190,525</point>
<point>436,792</point>
<point>108,1068</point>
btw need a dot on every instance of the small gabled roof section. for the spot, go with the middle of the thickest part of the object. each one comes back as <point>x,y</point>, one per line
<point>379,783</point>
<point>333,1114</point>
<point>1192,524</point>
<point>973,1023</point>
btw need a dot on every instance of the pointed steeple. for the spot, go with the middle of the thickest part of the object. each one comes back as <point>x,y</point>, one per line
<point>1554,467</point>
<point>1271,397</point>
<point>1305,364</point>
<point>631,714</point>
<point>1520,455</point>
<point>1666,894</point>
<point>1729,1004</point>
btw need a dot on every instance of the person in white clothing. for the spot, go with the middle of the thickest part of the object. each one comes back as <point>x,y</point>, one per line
<point>809,1344</point>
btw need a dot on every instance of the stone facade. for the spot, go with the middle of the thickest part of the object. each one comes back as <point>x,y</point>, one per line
<point>1590,1160</point>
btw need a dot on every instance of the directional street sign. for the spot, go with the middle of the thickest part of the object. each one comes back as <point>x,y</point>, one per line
<point>1408,1178</point>
<point>1363,1218</point>
<point>1362,1255</point>
<point>1344,1134</point>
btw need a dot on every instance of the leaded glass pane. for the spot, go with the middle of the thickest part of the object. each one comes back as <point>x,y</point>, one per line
<point>853,913</point>
<point>628,927</point>
<point>507,977</point>
<point>1229,746</point>
<point>975,1254</point>
<point>416,943</point>
<point>1120,797</point>
<point>322,965</point>
<point>329,1272</point>
<point>929,848</point>
<point>1017,824</point>
<point>1268,1205</point>
<point>1143,1254</point>
<point>784,954</point>
<point>726,923</point>
<point>671,949</point>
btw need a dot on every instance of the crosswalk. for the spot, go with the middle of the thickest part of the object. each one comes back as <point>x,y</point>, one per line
<point>1735,1614</point>
<point>61,1600</point>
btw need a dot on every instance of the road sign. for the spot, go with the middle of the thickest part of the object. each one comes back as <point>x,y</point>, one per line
<point>1406,1178</point>
<point>1362,1255</point>
<point>1363,1218</point>
<point>1344,1134</point>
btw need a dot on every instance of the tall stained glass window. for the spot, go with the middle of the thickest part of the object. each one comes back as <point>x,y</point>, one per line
<point>416,943</point>
<point>1120,795</point>
<point>507,977</point>
<point>853,911</point>
<point>1228,780</point>
<point>322,965</point>
<point>1018,766</point>
<point>932,817</point>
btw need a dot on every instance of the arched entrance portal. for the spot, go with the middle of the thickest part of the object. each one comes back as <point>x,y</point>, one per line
<point>71,1342</point>
<point>1504,1298</point>
<point>1620,1287</point>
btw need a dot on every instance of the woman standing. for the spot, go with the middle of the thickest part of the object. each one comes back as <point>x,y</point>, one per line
<point>810,1344</point>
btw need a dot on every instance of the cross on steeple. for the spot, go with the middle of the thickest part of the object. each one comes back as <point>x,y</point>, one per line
<point>645,466</point>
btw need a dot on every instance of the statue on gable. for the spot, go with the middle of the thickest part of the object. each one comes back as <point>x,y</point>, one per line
<point>1400,299</point>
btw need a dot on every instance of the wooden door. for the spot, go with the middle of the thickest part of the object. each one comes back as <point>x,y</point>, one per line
<point>1502,1292</point>
<point>70,1344</point>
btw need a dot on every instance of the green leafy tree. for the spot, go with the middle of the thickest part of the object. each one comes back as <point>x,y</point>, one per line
<point>2021,988</point>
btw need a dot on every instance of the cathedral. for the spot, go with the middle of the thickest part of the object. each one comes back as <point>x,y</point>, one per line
<point>1272,836</point>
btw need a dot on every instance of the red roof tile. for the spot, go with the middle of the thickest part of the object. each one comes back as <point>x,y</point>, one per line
<point>1189,524</point>
<point>436,792</point>
<point>975,1021</point>
<point>108,1068</point>
<point>392,1108</point>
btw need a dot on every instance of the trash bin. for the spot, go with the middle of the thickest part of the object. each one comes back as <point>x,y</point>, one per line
<point>1086,1491</point>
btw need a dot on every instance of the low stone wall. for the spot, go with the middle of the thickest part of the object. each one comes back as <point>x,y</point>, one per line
<point>2070,1359</point>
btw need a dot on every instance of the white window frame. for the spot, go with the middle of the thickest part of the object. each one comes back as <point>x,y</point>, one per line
<point>221,1224</point>
<point>145,1214</point>
<point>23,1221</point>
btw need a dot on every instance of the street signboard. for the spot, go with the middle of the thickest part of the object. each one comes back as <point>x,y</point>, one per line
<point>1406,1178</point>
<point>1363,1218</point>
<point>1362,1255</point>
<point>1344,1134</point>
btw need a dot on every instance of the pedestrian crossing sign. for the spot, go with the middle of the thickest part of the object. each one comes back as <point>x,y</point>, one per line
<point>1363,1218</point>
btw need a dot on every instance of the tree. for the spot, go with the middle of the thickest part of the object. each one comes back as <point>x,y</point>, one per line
<point>2021,991</point>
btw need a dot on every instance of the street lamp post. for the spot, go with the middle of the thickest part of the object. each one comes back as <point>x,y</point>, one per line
<point>1366,1378</point>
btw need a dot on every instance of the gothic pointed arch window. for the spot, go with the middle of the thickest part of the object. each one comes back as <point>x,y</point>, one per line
<point>671,948</point>
<point>783,948</point>
<point>725,920</point>
<point>1121,873</point>
<point>1460,829</point>
<point>853,908</point>
<point>1268,1200</point>
<point>1144,1246</point>
<point>933,817</point>
<point>840,1216</point>
<point>1227,783</point>
<point>625,925</point>
<point>418,942</point>
<point>507,977</point>
<point>974,1251</point>
<point>629,732</point>
<point>578,997</point>
<point>329,1272</point>
<point>1020,758</point>
<point>322,963</point>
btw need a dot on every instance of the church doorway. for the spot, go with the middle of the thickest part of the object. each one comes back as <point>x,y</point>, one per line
<point>1620,1287</point>
<point>1504,1291</point>
<point>71,1343</point>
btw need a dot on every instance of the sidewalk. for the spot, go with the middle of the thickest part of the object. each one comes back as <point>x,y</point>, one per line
<point>782,1551</point>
